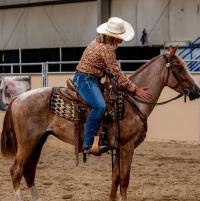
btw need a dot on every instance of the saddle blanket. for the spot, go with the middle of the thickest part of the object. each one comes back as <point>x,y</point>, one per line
<point>70,110</point>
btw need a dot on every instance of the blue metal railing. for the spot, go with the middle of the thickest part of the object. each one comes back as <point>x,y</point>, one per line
<point>192,52</point>
<point>196,41</point>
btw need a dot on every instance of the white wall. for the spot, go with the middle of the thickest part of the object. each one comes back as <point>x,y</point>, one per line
<point>48,26</point>
<point>164,20</point>
<point>153,15</point>
<point>15,2</point>
<point>184,19</point>
<point>74,24</point>
<point>127,11</point>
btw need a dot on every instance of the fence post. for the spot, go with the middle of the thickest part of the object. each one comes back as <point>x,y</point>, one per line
<point>119,63</point>
<point>20,60</point>
<point>44,74</point>
<point>11,70</point>
<point>60,65</point>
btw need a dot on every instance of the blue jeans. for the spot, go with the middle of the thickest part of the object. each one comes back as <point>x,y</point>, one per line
<point>89,89</point>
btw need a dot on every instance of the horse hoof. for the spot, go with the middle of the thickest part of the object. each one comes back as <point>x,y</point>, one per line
<point>121,199</point>
<point>18,195</point>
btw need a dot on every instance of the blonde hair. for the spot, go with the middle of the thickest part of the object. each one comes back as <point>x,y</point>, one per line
<point>112,41</point>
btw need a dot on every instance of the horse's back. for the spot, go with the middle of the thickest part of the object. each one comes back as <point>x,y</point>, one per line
<point>31,101</point>
<point>34,95</point>
<point>30,109</point>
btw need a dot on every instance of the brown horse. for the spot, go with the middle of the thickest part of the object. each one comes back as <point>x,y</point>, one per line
<point>28,122</point>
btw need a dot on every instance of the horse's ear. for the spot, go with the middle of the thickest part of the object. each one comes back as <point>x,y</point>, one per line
<point>172,51</point>
<point>176,48</point>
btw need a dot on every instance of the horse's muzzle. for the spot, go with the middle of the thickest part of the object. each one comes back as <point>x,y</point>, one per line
<point>192,92</point>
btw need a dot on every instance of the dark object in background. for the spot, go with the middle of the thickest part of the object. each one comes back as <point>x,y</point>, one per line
<point>144,38</point>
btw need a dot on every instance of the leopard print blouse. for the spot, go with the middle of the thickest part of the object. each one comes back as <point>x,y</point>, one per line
<point>99,57</point>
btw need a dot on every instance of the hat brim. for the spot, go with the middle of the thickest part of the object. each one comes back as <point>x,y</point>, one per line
<point>126,36</point>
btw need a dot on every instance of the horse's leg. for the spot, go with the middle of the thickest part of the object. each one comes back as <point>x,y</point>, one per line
<point>115,180</point>
<point>17,170</point>
<point>126,156</point>
<point>30,168</point>
<point>15,174</point>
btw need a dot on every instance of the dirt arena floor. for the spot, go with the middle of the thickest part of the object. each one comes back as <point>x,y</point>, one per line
<point>160,172</point>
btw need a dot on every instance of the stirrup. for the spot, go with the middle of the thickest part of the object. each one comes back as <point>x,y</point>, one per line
<point>101,149</point>
<point>96,149</point>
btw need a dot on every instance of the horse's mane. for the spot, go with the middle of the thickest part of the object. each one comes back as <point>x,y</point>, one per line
<point>180,60</point>
<point>141,68</point>
<point>147,64</point>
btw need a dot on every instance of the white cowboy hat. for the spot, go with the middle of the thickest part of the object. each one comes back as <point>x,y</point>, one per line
<point>118,28</point>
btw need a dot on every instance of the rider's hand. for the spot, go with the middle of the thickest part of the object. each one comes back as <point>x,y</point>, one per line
<point>143,93</point>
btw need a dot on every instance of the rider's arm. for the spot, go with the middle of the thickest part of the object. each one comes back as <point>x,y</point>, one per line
<point>113,68</point>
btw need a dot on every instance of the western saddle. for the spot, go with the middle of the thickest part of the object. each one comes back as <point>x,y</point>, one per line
<point>66,103</point>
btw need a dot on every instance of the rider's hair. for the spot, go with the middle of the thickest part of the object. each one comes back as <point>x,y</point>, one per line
<point>101,38</point>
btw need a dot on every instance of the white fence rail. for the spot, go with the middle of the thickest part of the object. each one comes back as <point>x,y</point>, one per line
<point>45,68</point>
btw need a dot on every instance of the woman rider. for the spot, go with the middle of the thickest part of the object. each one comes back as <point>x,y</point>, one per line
<point>97,58</point>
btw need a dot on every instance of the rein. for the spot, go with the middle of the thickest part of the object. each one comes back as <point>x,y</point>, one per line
<point>154,103</point>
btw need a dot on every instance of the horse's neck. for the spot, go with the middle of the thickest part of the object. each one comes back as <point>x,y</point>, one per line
<point>152,76</point>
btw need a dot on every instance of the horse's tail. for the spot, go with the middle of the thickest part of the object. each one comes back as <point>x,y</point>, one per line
<point>8,136</point>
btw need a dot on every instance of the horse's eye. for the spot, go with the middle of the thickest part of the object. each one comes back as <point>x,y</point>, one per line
<point>182,73</point>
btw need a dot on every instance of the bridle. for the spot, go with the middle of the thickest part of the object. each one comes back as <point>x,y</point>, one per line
<point>169,66</point>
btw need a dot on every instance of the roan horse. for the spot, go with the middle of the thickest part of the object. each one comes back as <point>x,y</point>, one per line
<point>28,122</point>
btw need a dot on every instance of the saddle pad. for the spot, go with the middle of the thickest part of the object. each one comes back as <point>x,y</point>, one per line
<point>71,110</point>
<point>61,107</point>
